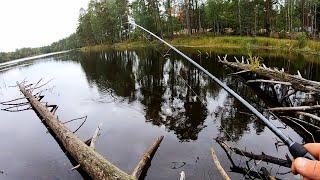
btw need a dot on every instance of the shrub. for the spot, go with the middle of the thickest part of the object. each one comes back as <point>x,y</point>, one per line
<point>302,40</point>
<point>255,62</point>
<point>282,34</point>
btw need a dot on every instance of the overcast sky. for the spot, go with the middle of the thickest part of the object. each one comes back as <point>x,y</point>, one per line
<point>34,23</point>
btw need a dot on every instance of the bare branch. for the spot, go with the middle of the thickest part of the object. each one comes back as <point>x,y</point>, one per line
<point>146,159</point>
<point>218,165</point>
<point>80,125</point>
<point>95,137</point>
<point>75,119</point>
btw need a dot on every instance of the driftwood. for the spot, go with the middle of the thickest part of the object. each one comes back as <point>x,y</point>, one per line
<point>269,81</point>
<point>146,159</point>
<point>312,116</point>
<point>90,161</point>
<point>298,108</point>
<point>263,157</point>
<point>298,83</point>
<point>240,72</point>
<point>294,83</point>
<point>218,165</point>
<point>266,174</point>
<point>242,170</point>
<point>95,136</point>
<point>182,175</point>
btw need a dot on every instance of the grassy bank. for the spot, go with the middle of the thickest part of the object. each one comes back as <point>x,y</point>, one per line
<point>237,42</point>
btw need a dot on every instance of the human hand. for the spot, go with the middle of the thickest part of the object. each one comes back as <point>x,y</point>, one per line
<point>309,169</point>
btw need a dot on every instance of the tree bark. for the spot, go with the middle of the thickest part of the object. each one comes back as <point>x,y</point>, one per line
<point>298,83</point>
<point>218,165</point>
<point>90,161</point>
<point>186,2</point>
<point>298,108</point>
<point>146,158</point>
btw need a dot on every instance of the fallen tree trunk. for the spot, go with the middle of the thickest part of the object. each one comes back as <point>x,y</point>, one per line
<point>263,157</point>
<point>146,159</point>
<point>218,165</point>
<point>269,81</point>
<point>312,116</point>
<point>297,108</point>
<point>90,161</point>
<point>298,83</point>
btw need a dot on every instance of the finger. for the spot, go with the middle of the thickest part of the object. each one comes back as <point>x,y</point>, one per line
<point>314,149</point>
<point>307,168</point>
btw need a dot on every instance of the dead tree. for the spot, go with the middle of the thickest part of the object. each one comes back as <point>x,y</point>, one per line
<point>297,82</point>
<point>262,156</point>
<point>246,171</point>
<point>288,85</point>
<point>90,161</point>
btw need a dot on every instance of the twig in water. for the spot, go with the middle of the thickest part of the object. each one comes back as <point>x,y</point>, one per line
<point>288,118</point>
<point>76,167</point>
<point>74,119</point>
<point>218,165</point>
<point>80,125</point>
<point>95,137</point>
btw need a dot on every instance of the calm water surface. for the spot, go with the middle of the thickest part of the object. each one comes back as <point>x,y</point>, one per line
<point>139,96</point>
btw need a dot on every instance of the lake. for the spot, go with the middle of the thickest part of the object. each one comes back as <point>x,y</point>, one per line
<point>138,96</point>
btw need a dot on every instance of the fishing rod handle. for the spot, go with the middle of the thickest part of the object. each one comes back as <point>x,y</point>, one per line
<point>298,150</point>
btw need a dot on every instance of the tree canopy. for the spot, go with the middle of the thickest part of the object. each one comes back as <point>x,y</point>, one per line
<point>105,21</point>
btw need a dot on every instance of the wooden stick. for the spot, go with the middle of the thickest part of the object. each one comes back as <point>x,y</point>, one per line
<point>218,165</point>
<point>182,175</point>
<point>263,157</point>
<point>269,81</point>
<point>300,84</point>
<point>146,158</point>
<point>302,121</point>
<point>266,174</point>
<point>76,167</point>
<point>298,108</point>
<point>95,137</point>
<point>293,121</point>
<point>90,161</point>
<point>312,116</point>
<point>72,119</point>
<point>240,72</point>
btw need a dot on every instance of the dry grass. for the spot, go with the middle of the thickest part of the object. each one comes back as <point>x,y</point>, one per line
<point>207,41</point>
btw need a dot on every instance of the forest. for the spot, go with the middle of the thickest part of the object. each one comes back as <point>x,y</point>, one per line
<point>105,21</point>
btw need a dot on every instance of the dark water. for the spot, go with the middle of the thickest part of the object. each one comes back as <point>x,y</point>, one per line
<point>139,96</point>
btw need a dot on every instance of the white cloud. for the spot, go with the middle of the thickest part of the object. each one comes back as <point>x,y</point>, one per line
<point>34,23</point>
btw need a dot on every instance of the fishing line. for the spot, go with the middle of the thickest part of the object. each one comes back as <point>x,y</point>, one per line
<point>296,149</point>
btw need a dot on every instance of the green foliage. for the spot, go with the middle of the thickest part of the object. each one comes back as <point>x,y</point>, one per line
<point>302,40</point>
<point>255,62</point>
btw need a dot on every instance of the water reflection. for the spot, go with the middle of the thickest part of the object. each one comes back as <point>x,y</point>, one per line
<point>173,92</point>
<point>169,95</point>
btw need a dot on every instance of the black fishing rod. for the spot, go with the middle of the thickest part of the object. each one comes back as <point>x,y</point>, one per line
<point>296,149</point>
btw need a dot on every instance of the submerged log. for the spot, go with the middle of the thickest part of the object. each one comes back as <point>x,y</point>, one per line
<point>312,116</point>
<point>263,157</point>
<point>218,165</point>
<point>298,108</point>
<point>269,81</point>
<point>146,159</point>
<point>298,83</point>
<point>89,160</point>
<point>95,137</point>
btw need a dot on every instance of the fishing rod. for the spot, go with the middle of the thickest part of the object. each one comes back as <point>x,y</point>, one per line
<point>296,149</point>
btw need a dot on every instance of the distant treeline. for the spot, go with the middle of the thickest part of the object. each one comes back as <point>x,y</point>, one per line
<point>104,22</point>
<point>70,42</point>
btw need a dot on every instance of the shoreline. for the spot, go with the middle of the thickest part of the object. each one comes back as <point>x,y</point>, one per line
<point>244,43</point>
<point>15,61</point>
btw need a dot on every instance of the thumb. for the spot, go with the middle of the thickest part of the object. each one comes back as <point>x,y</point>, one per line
<point>307,168</point>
